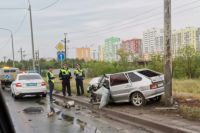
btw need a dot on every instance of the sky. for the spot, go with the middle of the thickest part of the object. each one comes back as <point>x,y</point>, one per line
<point>87,22</point>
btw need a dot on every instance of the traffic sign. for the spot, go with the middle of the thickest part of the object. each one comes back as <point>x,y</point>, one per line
<point>7,76</point>
<point>61,56</point>
<point>60,46</point>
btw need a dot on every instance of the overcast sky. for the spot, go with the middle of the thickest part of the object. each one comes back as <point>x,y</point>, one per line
<point>87,22</point>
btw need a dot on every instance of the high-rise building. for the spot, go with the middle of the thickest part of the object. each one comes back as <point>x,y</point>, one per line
<point>198,39</point>
<point>153,42</point>
<point>83,53</point>
<point>100,53</point>
<point>133,46</point>
<point>110,49</point>
<point>185,37</point>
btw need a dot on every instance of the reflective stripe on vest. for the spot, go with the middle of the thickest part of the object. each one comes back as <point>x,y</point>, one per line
<point>65,72</point>
<point>51,75</point>
<point>79,72</point>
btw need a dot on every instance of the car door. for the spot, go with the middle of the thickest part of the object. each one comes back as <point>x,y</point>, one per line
<point>136,81</point>
<point>119,87</point>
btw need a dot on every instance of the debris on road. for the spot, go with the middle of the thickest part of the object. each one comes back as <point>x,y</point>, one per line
<point>71,103</point>
<point>77,108</point>
<point>50,114</point>
<point>33,110</point>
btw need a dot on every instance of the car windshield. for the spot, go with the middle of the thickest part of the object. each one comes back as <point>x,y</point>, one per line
<point>29,77</point>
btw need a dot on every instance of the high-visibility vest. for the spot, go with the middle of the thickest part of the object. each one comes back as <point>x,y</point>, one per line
<point>78,72</point>
<point>51,75</point>
<point>65,72</point>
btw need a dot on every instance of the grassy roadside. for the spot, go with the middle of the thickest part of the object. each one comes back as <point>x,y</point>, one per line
<point>58,85</point>
<point>187,93</point>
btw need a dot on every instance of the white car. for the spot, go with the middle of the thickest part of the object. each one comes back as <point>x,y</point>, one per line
<point>28,84</point>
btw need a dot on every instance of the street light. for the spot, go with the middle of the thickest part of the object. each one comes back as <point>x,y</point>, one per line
<point>12,44</point>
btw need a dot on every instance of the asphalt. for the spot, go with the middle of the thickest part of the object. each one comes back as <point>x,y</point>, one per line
<point>29,115</point>
<point>159,123</point>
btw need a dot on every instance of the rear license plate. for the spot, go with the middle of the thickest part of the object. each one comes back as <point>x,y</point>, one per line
<point>31,84</point>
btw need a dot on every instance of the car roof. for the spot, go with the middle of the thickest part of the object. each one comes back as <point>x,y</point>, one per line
<point>28,74</point>
<point>136,70</point>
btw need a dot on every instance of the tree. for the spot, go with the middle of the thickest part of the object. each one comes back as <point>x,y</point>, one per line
<point>123,54</point>
<point>187,59</point>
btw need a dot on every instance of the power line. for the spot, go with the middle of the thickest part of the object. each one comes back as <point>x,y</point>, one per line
<point>124,26</point>
<point>48,6</point>
<point>140,24</point>
<point>130,20</point>
<point>18,28</point>
<point>21,23</point>
<point>13,8</point>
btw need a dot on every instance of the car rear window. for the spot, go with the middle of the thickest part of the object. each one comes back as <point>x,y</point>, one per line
<point>9,70</point>
<point>133,77</point>
<point>148,73</point>
<point>118,79</point>
<point>29,77</point>
<point>6,71</point>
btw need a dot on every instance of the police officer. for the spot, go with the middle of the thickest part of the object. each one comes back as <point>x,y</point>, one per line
<point>50,80</point>
<point>79,74</point>
<point>65,76</point>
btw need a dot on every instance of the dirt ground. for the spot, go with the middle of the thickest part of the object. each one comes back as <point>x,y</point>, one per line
<point>190,101</point>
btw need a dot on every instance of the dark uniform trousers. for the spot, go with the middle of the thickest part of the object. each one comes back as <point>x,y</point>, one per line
<point>66,84</point>
<point>51,88</point>
<point>79,87</point>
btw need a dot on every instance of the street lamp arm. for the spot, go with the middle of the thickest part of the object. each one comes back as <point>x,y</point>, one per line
<point>12,44</point>
<point>6,30</point>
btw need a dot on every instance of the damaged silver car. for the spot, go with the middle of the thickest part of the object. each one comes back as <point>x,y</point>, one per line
<point>135,86</point>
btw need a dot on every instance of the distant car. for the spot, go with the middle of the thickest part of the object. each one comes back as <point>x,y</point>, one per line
<point>7,76</point>
<point>28,84</point>
<point>135,86</point>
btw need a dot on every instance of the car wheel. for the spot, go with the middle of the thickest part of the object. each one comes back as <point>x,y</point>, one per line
<point>44,95</point>
<point>15,97</point>
<point>156,99</point>
<point>137,99</point>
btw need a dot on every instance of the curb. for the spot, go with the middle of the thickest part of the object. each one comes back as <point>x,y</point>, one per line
<point>132,119</point>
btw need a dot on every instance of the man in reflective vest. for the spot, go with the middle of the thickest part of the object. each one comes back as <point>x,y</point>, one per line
<point>65,76</point>
<point>79,74</point>
<point>50,80</point>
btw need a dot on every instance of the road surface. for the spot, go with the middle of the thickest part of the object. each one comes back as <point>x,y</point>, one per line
<point>29,115</point>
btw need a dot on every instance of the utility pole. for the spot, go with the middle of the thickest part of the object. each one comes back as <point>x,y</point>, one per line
<point>21,53</point>
<point>4,59</point>
<point>32,40</point>
<point>65,40</point>
<point>37,57</point>
<point>13,53</point>
<point>66,48</point>
<point>167,53</point>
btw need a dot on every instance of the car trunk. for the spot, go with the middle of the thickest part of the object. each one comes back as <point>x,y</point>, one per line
<point>153,76</point>
<point>31,83</point>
